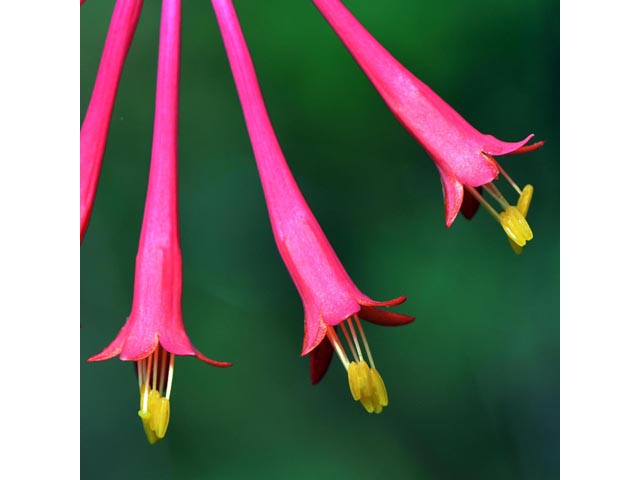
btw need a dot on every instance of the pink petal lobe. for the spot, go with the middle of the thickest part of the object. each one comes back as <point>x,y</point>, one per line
<point>528,148</point>
<point>174,339</point>
<point>135,341</point>
<point>493,146</point>
<point>315,330</point>
<point>320,360</point>
<point>453,193</point>
<point>470,204</point>
<point>115,347</point>
<point>138,346</point>
<point>384,317</point>
<point>210,361</point>
<point>366,301</point>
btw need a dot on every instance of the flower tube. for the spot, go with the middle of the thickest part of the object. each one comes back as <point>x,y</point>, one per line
<point>154,331</point>
<point>95,127</point>
<point>332,303</point>
<point>464,157</point>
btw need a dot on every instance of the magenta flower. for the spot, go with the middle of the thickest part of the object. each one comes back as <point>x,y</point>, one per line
<point>93,134</point>
<point>464,156</point>
<point>329,296</point>
<point>154,332</point>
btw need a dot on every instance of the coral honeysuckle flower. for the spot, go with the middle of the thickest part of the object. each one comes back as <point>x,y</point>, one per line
<point>332,302</point>
<point>464,156</point>
<point>95,127</point>
<point>154,332</point>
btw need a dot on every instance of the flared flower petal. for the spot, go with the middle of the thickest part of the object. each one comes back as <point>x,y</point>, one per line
<point>320,359</point>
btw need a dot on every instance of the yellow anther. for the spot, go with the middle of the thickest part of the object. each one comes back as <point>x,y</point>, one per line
<point>379,390</point>
<point>154,408</point>
<point>358,374</point>
<point>523,207</point>
<point>155,417</point>
<point>142,399</point>
<point>525,200</point>
<point>516,248</point>
<point>515,226</point>
<point>512,219</point>
<point>154,401</point>
<point>162,417</point>
<point>367,386</point>
<point>146,419</point>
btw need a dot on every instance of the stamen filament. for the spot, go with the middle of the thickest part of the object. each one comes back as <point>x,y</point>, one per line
<point>509,179</point>
<point>163,371</point>
<point>528,148</point>
<point>337,346</point>
<point>346,336</point>
<point>145,401</point>
<point>155,368</point>
<point>504,173</point>
<point>139,365</point>
<point>364,341</point>
<point>495,193</point>
<point>355,338</point>
<point>170,376</point>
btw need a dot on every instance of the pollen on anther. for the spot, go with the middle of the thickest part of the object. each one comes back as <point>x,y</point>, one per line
<point>515,226</point>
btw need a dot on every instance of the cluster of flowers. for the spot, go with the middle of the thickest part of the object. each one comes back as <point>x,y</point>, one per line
<point>333,306</point>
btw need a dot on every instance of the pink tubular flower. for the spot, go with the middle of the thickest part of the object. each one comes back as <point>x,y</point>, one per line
<point>464,156</point>
<point>329,296</point>
<point>93,134</point>
<point>154,332</point>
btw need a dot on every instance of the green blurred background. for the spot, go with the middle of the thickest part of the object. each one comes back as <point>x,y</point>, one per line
<point>473,382</point>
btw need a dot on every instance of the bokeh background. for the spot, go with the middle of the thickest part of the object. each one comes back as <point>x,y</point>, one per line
<point>473,382</point>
